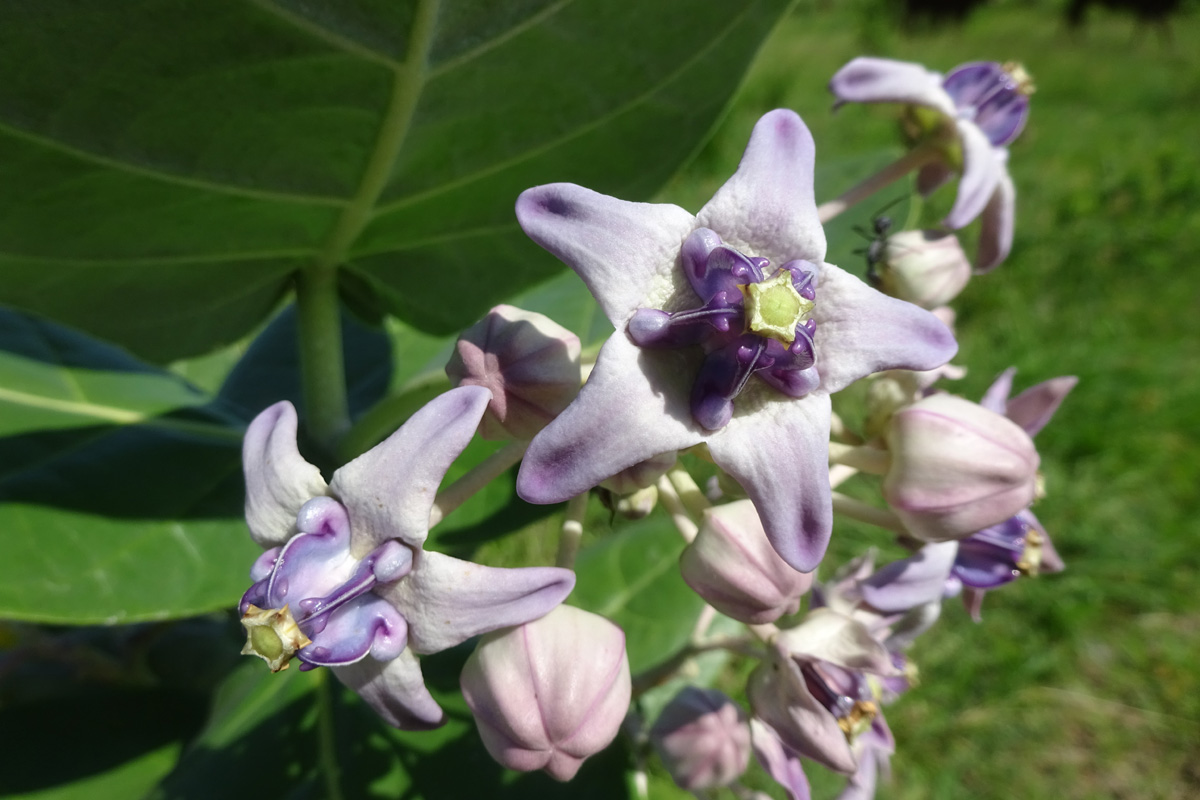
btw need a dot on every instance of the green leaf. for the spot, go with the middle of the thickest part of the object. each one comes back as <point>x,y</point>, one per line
<point>301,734</point>
<point>182,160</point>
<point>633,579</point>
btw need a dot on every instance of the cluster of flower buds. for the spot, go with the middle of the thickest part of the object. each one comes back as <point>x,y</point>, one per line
<point>731,333</point>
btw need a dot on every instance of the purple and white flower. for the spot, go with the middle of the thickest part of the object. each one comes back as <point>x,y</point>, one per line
<point>979,107</point>
<point>346,582</point>
<point>731,331</point>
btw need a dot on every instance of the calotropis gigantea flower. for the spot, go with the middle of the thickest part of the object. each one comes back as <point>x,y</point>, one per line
<point>346,582</point>
<point>730,331</point>
<point>703,739</point>
<point>980,107</point>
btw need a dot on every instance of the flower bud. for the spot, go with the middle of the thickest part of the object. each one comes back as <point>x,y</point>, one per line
<point>530,364</point>
<point>703,738</point>
<point>733,566</point>
<point>957,468</point>
<point>928,268</point>
<point>637,505</point>
<point>550,693</point>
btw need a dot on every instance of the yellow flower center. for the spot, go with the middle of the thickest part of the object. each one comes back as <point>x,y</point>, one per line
<point>774,308</point>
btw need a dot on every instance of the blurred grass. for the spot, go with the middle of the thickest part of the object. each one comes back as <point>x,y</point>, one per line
<point>1084,684</point>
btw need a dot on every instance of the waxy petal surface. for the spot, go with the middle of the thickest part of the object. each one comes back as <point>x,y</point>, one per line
<point>912,581</point>
<point>996,225</point>
<point>396,690</point>
<point>278,479</point>
<point>618,248</point>
<point>882,80</point>
<point>780,454</point>
<point>861,331</point>
<point>1034,407</point>
<point>447,601</point>
<point>981,173</point>
<point>767,208</point>
<point>389,490</point>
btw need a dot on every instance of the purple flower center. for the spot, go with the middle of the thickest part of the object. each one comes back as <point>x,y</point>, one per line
<point>844,694</point>
<point>329,592</point>
<point>750,322</point>
<point>999,554</point>
<point>994,96</point>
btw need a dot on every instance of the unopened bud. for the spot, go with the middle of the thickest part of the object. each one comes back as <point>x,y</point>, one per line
<point>733,566</point>
<point>637,505</point>
<point>703,738</point>
<point>928,268</point>
<point>529,362</point>
<point>957,468</point>
<point>550,693</point>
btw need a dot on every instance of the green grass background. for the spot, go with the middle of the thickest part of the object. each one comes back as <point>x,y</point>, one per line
<point>1084,684</point>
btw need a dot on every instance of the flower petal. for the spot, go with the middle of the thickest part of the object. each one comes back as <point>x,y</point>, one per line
<point>882,80</point>
<point>396,690</point>
<point>278,479</point>
<point>932,177</point>
<point>367,624</point>
<point>618,248</point>
<point>996,224</point>
<point>861,331</point>
<point>913,581</point>
<point>826,635</point>
<point>634,406</point>
<point>779,454</point>
<point>996,397</point>
<point>982,168</point>
<point>447,601</point>
<point>780,763</point>
<point>1034,407</point>
<point>389,490</point>
<point>768,208</point>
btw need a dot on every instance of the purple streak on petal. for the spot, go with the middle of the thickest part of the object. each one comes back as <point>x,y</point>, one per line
<point>389,490</point>
<point>767,208</point>
<point>278,479</point>
<point>1034,407</point>
<point>933,176</point>
<point>781,763</point>
<point>617,247</point>
<point>1003,117</point>
<point>979,567</point>
<point>981,173</point>
<point>882,80</point>
<point>367,624</point>
<point>792,382</point>
<point>971,83</point>
<point>634,406</point>
<point>996,224</point>
<point>722,378</point>
<point>996,397</point>
<point>315,563</point>
<point>780,455</point>
<point>862,331</point>
<point>912,581</point>
<point>396,690</point>
<point>447,601</point>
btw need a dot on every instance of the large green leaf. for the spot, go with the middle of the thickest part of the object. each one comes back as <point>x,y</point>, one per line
<point>300,735</point>
<point>167,164</point>
<point>633,579</point>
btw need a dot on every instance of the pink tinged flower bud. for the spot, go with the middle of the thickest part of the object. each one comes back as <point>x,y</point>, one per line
<point>530,364</point>
<point>957,468</point>
<point>550,693</point>
<point>733,566</point>
<point>703,738</point>
<point>928,268</point>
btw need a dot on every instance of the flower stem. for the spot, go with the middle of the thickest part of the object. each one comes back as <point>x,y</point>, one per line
<point>327,753</point>
<point>864,458</point>
<point>689,493</point>
<point>670,499</point>
<point>572,532</point>
<point>479,476</point>
<point>863,512</point>
<point>919,156</point>
<point>322,372</point>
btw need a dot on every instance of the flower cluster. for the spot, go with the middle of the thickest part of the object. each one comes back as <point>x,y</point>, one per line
<point>731,334</point>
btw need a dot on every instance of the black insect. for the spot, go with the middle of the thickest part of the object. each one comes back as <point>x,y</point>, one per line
<point>876,241</point>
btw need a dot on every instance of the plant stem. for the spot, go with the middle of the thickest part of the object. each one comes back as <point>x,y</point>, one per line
<point>326,747</point>
<point>919,156</point>
<point>865,458</point>
<point>679,515</point>
<point>322,371</point>
<point>572,532</point>
<point>479,476</point>
<point>689,493</point>
<point>863,512</point>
